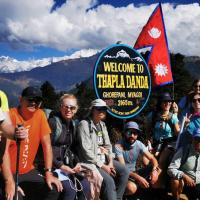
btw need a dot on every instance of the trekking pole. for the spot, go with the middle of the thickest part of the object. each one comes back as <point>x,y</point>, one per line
<point>17,166</point>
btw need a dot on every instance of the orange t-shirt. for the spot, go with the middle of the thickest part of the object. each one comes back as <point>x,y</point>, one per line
<point>38,127</point>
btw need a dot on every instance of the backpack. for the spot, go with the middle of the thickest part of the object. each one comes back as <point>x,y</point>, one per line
<point>157,118</point>
<point>51,114</point>
<point>70,157</point>
<point>90,128</point>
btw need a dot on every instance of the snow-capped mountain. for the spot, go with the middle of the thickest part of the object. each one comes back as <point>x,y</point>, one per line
<point>10,65</point>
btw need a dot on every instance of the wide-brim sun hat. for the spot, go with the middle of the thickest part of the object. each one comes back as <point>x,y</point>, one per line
<point>98,103</point>
<point>165,97</point>
<point>132,125</point>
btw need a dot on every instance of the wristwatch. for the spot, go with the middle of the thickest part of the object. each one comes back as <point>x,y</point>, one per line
<point>47,170</point>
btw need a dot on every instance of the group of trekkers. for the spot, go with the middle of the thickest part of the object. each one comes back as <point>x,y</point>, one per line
<point>80,161</point>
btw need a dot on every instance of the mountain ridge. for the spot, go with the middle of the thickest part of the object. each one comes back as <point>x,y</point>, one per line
<point>65,75</point>
<point>12,65</point>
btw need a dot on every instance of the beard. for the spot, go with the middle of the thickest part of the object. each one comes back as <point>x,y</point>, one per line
<point>130,140</point>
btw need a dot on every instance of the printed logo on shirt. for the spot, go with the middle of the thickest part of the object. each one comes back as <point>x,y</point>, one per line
<point>25,152</point>
<point>100,138</point>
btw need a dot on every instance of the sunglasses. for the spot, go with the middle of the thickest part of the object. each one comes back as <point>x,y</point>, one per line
<point>34,100</point>
<point>197,86</point>
<point>100,108</point>
<point>72,108</point>
<point>167,101</point>
<point>196,100</point>
<point>131,132</point>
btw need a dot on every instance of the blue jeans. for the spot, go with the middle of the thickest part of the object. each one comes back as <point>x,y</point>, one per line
<point>110,190</point>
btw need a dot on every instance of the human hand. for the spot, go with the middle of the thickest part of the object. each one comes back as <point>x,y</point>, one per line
<point>175,107</point>
<point>50,179</point>
<point>113,172</point>
<point>154,176</point>
<point>106,168</point>
<point>149,146</point>
<point>21,132</point>
<point>188,181</point>
<point>104,150</point>
<point>112,169</point>
<point>67,169</point>
<point>143,182</point>
<point>77,168</point>
<point>187,119</point>
<point>19,189</point>
<point>9,189</point>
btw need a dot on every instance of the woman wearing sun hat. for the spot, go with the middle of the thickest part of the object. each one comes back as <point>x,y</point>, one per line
<point>162,127</point>
<point>163,123</point>
<point>95,148</point>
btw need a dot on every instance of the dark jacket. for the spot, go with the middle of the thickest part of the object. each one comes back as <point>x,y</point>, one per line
<point>65,142</point>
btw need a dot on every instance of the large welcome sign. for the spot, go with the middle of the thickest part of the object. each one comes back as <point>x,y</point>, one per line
<point>122,79</point>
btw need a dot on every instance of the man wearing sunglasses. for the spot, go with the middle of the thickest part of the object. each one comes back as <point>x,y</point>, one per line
<point>128,151</point>
<point>184,169</point>
<point>95,148</point>
<point>29,114</point>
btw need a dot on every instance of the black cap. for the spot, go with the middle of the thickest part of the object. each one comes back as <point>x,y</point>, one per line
<point>165,97</point>
<point>32,92</point>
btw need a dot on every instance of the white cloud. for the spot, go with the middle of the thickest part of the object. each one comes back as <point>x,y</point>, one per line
<point>71,26</point>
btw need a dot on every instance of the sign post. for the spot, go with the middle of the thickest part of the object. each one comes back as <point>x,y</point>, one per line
<point>122,79</point>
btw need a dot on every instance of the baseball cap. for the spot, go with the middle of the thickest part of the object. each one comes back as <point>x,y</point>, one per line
<point>196,133</point>
<point>32,92</point>
<point>132,125</point>
<point>98,103</point>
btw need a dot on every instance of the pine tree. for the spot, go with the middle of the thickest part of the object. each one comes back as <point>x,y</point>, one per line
<point>182,78</point>
<point>50,98</point>
<point>85,95</point>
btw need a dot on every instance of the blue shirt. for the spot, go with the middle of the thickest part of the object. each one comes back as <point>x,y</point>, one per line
<point>194,124</point>
<point>162,129</point>
<point>130,154</point>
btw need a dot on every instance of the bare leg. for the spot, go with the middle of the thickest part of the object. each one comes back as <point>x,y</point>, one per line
<point>176,188</point>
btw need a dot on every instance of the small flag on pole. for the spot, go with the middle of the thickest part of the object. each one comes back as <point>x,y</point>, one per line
<point>153,35</point>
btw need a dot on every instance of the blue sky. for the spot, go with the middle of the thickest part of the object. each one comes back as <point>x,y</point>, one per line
<point>47,28</point>
<point>121,3</point>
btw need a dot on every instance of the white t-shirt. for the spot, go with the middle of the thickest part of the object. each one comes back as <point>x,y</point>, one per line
<point>2,116</point>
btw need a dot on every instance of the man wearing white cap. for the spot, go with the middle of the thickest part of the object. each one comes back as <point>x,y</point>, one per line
<point>95,148</point>
<point>128,150</point>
